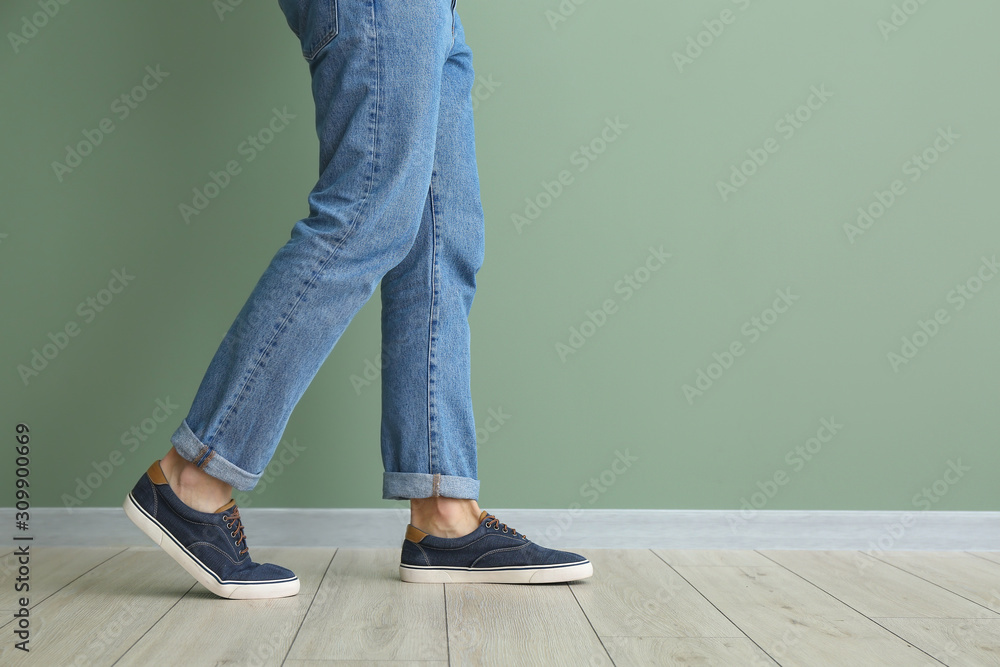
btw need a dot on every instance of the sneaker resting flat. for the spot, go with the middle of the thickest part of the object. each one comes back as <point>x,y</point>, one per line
<point>210,546</point>
<point>493,553</point>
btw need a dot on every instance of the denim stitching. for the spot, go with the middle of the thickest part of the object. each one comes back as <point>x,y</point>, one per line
<point>201,455</point>
<point>423,553</point>
<point>361,206</point>
<point>335,15</point>
<point>430,327</point>
<point>204,463</point>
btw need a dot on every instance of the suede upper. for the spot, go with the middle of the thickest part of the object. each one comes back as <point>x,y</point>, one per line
<point>493,544</point>
<point>215,539</point>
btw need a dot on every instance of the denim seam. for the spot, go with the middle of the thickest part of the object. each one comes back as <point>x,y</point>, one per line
<point>423,553</point>
<point>361,206</point>
<point>208,457</point>
<point>431,322</point>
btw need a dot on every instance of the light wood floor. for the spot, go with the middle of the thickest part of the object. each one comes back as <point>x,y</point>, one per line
<point>135,606</point>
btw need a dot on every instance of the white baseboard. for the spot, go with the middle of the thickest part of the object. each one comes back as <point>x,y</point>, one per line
<point>565,529</point>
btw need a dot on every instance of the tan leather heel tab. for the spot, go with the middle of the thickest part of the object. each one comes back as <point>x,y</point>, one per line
<point>230,504</point>
<point>414,534</point>
<point>155,473</point>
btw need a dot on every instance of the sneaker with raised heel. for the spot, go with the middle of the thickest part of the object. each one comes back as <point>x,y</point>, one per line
<point>492,553</point>
<point>211,546</point>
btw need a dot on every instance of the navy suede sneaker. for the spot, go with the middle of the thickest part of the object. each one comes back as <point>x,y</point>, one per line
<point>492,553</point>
<point>210,546</point>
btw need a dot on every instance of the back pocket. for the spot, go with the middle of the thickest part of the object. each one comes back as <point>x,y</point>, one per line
<point>314,22</point>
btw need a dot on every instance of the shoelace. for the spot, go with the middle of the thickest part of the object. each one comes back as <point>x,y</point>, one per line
<point>497,524</point>
<point>238,531</point>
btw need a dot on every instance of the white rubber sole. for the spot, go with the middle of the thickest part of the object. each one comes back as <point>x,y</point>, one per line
<point>233,591</point>
<point>550,574</point>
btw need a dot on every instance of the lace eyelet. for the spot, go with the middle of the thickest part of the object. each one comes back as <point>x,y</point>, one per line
<point>505,530</point>
<point>232,534</point>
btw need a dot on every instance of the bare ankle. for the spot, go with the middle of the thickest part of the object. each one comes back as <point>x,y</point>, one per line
<point>445,517</point>
<point>195,488</point>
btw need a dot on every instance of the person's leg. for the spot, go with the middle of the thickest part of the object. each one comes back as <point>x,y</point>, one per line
<point>428,430</point>
<point>376,77</point>
<point>376,86</point>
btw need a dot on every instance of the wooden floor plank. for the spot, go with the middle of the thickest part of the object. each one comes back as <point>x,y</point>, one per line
<point>988,555</point>
<point>510,626</point>
<point>794,622</point>
<point>259,632</point>
<point>876,588</point>
<point>634,593</point>
<point>50,568</point>
<point>712,557</point>
<point>974,578</point>
<point>363,611</point>
<point>959,642</point>
<point>95,618</point>
<point>366,663</point>
<point>671,651</point>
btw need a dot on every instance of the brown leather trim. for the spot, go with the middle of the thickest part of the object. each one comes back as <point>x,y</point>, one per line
<point>231,503</point>
<point>482,516</point>
<point>155,473</point>
<point>414,534</point>
<point>207,459</point>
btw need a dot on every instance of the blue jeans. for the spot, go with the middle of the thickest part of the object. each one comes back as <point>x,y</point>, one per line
<point>397,201</point>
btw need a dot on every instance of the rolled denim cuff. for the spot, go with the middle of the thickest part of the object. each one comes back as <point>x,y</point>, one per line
<point>191,448</point>
<point>406,485</point>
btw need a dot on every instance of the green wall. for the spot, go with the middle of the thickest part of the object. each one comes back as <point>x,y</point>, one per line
<point>906,115</point>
